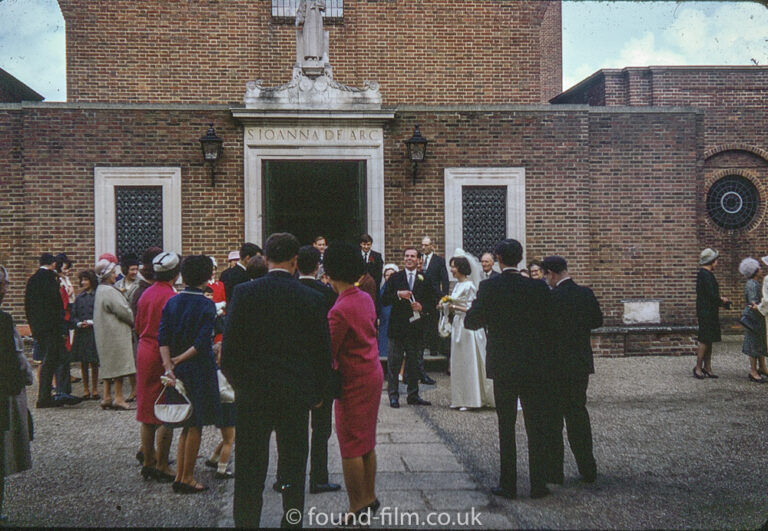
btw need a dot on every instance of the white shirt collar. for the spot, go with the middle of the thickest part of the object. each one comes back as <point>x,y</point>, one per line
<point>516,270</point>
<point>310,277</point>
<point>241,265</point>
<point>279,269</point>
<point>562,280</point>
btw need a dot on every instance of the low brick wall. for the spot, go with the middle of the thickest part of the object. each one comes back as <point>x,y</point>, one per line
<point>618,341</point>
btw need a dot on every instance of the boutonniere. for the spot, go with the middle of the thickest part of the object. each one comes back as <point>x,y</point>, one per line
<point>420,277</point>
<point>370,258</point>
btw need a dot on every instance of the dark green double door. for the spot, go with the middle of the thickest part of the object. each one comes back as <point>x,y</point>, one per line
<point>310,198</point>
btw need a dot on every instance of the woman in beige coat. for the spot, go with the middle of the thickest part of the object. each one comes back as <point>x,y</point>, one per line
<point>112,325</point>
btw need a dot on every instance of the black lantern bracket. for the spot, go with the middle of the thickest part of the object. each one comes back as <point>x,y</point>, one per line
<point>417,150</point>
<point>211,146</point>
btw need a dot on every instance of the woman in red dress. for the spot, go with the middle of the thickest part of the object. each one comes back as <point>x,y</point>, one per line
<point>149,368</point>
<point>355,351</point>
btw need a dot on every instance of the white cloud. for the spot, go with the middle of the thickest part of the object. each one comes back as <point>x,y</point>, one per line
<point>32,45</point>
<point>732,34</point>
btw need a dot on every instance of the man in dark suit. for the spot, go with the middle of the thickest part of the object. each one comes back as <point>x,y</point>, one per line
<point>515,310</point>
<point>233,276</point>
<point>276,354</point>
<point>437,274</point>
<point>45,315</point>
<point>576,314</point>
<point>308,262</point>
<point>373,263</point>
<point>410,295</point>
<point>486,262</point>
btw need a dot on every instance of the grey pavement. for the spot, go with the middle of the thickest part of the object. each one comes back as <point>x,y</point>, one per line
<point>672,452</point>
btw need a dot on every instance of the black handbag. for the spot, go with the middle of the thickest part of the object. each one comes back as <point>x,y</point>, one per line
<point>750,322</point>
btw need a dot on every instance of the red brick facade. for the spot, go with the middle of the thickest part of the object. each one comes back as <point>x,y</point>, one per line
<point>734,141</point>
<point>616,186</point>
<point>439,51</point>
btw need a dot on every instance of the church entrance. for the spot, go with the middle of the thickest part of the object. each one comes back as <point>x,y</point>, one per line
<point>312,197</point>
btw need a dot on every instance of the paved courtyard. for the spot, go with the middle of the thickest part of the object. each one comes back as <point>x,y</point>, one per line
<point>672,452</point>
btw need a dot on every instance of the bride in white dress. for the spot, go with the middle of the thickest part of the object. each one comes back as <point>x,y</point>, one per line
<point>469,386</point>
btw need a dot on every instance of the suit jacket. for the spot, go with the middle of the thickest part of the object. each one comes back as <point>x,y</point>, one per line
<point>43,304</point>
<point>276,340</point>
<point>493,274</point>
<point>328,294</point>
<point>438,275</point>
<point>232,277</point>
<point>516,311</point>
<point>399,319</point>
<point>374,266</point>
<point>576,313</point>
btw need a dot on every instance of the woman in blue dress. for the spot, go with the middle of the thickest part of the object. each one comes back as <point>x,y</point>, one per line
<point>185,339</point>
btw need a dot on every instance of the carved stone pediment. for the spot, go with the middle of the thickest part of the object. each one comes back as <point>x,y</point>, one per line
<point>320,92</point>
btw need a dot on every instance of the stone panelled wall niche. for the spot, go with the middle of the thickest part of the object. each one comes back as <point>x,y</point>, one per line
<point>105,181</point>
<point>473,180</point>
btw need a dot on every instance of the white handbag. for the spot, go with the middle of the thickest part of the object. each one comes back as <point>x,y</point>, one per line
<point>173,413</point>
<point>225,389</point>
<point>444,327</point>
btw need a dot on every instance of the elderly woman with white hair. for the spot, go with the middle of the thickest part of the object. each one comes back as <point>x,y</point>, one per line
<point>753,318</point>
<point>112,328</point>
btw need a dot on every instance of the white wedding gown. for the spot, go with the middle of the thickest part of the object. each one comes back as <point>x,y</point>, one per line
<point>469,386</point>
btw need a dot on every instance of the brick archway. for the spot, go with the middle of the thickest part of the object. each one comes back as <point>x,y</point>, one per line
<point>762,153</point>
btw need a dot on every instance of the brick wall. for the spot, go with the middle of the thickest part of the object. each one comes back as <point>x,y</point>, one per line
<point>52,201</point>
<point>734,141</point>
<point>643,169</point>
<point>590,178</point>
<point>441,51</point>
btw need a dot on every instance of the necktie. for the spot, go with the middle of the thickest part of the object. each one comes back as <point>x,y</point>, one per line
<point>410,280</point>
<point>426,262</point>
<point>366,258</point>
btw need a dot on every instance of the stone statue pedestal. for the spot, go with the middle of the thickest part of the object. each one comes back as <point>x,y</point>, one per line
<point>312,87</point>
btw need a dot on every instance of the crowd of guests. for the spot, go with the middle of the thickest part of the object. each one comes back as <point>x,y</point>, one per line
<point>291,336</point>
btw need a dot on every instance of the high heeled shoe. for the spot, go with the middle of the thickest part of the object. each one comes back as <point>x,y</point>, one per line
<point>175,486</point>
<point>709,374</point>
<point>698,376</point>
<point>147,472</point>
<point>186,488</point>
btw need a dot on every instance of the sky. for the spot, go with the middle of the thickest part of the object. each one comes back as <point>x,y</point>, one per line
<point>596,34</point>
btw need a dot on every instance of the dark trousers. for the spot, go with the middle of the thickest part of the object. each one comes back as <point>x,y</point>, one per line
<point>51,347</point>
<point>571,405</point>
<point>321,432</point>
<point>535,408</point>
<point>257,418</point>
<point>63,377</point>
<point>407,346</point>
<point>320,420</point>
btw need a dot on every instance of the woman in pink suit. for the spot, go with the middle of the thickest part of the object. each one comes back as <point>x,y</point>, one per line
<point>352,322</point>
<point>149,368</point>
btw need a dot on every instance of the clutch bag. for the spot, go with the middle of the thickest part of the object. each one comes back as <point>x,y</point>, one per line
<point>173,413</point>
